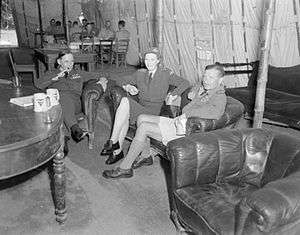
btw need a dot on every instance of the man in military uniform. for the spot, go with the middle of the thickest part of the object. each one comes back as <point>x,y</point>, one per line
<point>69,83</point>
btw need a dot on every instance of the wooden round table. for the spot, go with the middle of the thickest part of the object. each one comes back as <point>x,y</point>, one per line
<point>27,142</point>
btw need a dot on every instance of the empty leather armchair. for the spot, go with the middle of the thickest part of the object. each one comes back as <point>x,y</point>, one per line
<point>233,113</point>
<point>236,182</point>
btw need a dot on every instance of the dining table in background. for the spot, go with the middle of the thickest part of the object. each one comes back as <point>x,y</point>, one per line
<point>46,59</point>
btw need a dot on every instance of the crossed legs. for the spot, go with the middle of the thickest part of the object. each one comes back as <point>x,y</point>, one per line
<point>147,126</point>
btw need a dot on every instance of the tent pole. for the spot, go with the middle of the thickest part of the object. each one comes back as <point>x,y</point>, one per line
<point>137,27</point>
<point>65,19</point>
<point>262,78</point>
<point>41,23</point>
<point>159,24</point>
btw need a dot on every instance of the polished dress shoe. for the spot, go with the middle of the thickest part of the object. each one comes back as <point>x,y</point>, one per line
<point>77,133</point>
<point>109,148</point>
<point>113,158</point>
<point>118,173</point>
<point>142,162</point>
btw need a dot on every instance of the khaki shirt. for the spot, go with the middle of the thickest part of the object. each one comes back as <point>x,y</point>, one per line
<point>209,105</point>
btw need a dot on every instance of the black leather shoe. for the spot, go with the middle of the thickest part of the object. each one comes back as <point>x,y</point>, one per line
<point>113,158</point>
<point>118,173</point>
<point>142,162</point>
<point>77,133</point>
<point>109,148</point>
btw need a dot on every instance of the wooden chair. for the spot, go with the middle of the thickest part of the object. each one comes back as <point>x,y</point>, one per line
<point>105,49</point>
<point>22,68</point>
<point>119,52</point>
<point>88,45</point>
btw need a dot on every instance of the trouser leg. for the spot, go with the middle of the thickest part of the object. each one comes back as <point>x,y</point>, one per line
<point>139,142</point>
<point>71,105</point>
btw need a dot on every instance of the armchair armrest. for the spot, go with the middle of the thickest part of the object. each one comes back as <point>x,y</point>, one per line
<point>92,92</point>
<point>194,159</point>
<point>234,111</point>
<point>196,124</point>
<point>274,205</point>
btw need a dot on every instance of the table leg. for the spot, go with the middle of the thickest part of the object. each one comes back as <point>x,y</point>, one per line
<point>41,68</point>
<point>91,67</point>
<point>59,186</point>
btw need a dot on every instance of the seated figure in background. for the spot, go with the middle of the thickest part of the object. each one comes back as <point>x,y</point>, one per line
<point>50,30</point>
<point>75,32</point>
<point>69,83</point>
<point>107,32</point>
<point>58,28</point>
<point>122,33</point>
<point>89,32</point>
<point>151,85</point>
<point>208,100</point>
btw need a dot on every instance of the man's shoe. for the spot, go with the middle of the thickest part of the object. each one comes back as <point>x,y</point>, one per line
<point>118,173</point>
<point>109,148</point>
<point>142,162</point>
<point>113,158</point>
<point>77,133</point>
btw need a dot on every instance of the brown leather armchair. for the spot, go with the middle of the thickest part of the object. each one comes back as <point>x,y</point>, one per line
<point>233,113</point>
<point>236,182</point>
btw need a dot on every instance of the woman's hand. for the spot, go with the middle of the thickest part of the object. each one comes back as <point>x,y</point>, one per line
<point>132,90</point>
<point>191,95</point>
<point>170,98</point>
<point>103,81</point>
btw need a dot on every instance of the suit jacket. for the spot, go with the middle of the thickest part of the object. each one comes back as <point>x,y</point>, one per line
<point>155,90</point>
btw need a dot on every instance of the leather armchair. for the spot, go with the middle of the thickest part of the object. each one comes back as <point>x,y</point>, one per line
<point>236,182</point>
<point>234,111</point>
<point>92,93</point>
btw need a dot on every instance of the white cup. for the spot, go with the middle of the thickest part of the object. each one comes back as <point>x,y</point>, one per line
<point>53,95</point>
<point>41,102</point>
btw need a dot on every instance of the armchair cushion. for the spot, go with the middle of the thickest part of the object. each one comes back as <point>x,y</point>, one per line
<point>214,202</point>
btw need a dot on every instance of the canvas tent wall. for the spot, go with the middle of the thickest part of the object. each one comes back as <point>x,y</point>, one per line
<point>194,32</point>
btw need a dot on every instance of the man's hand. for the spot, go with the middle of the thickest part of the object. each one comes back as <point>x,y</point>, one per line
<point>180,124</point>
<point>103,81</point>
<point>132,90</point>
<point>60,75</point>
<point>192,94</point>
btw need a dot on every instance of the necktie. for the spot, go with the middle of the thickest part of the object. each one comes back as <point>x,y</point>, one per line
<point>149,78</point>
<point>66,74</point>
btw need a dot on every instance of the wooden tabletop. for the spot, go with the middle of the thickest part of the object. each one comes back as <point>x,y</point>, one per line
<point>21,130</point>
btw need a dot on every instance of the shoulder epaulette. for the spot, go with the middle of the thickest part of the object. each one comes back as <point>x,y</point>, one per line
<point>167,70</point>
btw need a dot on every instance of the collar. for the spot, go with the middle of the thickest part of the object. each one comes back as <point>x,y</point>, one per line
<point>152,73</point>
<point>218,89</point>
